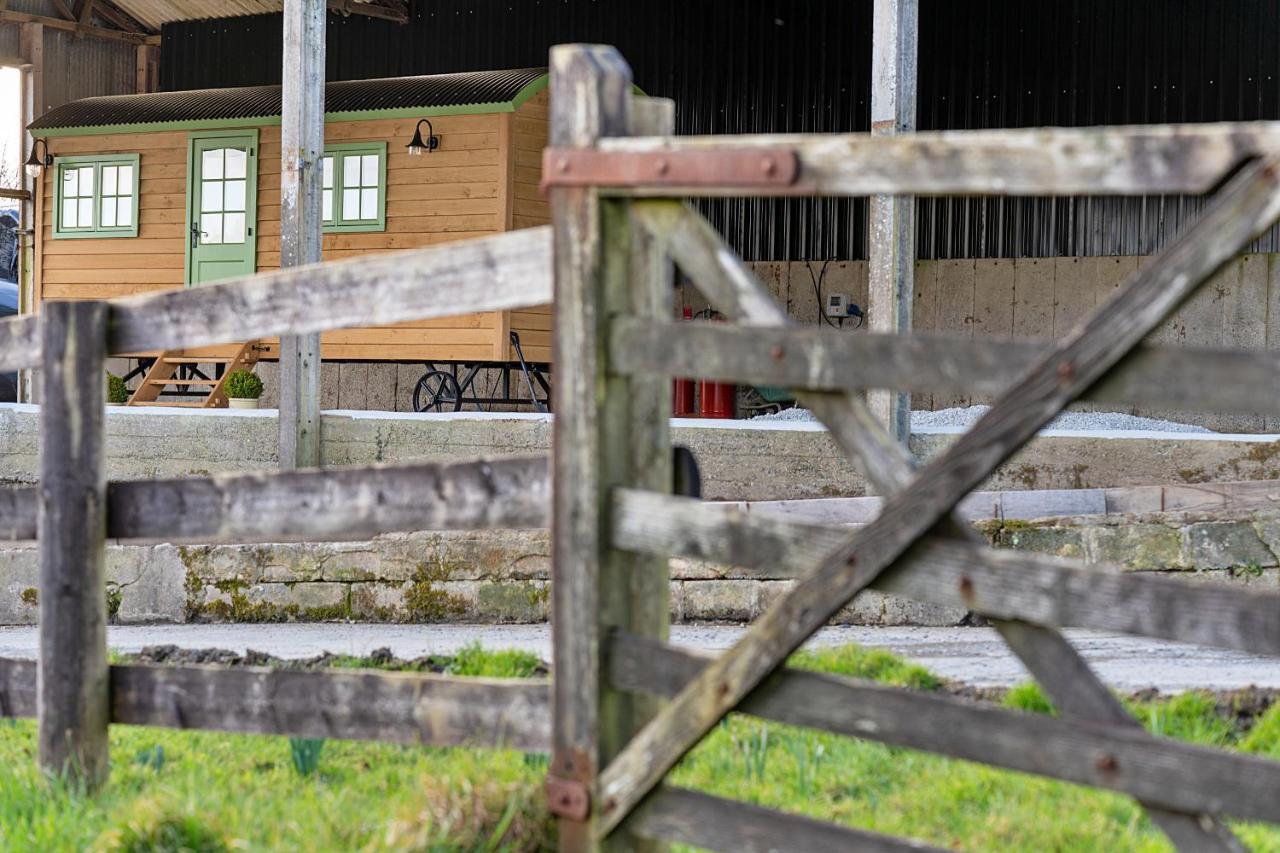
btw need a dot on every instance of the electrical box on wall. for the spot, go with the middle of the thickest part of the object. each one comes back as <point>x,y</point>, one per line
<point>837,305</point>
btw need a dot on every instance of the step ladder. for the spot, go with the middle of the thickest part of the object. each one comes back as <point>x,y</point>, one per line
<point>197,374</point>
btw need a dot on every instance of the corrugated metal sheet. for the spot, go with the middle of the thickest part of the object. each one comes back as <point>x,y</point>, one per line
<point>81,68</point>
<point>436,90</point>
<point>785,65</point>
<point>154,13</point>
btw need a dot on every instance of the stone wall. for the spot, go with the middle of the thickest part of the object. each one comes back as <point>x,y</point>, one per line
<point>739,460</point>
<point>503,576</point>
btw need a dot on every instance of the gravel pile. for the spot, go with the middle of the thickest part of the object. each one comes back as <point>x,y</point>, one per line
<point>1073,421</point>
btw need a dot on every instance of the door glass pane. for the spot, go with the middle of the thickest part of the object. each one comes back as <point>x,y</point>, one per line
<point>233,228</point>
<point>326,202</point>
<point>124,211</point>
<point>69,218</point>
<point>369,203</point>
<point>350,203</point>
<point>125,180</point>
<point>211,163</point>
<point>211,226</point>
<point>233,195</point>
<point>351,170</point>
<point>369,170</point>
<point>107,218</point>
<point>108,180</point>
<point>210,196</point>
<point>86,212</point>
<point>236,160</point>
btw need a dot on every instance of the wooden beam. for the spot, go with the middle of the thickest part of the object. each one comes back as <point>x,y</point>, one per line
<point>1176,775</point>
<point>123,19</point>
<point>1136,160</point>
<point>950,572</point>
<point>19,194</point>
<point>817,359</point>
<point>891,219</point>
<point>72,527</point>
<point>494,273</point>
<point>64,10</point>
<point>1247,205</point>
<point>72,26</point>
<point>393,707</point>
<point>301,221</point>
<point>682,816</point>
<point>396,11</point>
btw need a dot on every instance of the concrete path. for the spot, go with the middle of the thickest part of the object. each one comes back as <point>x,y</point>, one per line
<point>972,655</point>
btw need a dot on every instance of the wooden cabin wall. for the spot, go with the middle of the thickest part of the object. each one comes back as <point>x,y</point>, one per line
<point>530,208</point>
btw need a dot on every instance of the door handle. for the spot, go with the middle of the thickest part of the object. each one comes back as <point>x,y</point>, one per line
<point>195,234</point>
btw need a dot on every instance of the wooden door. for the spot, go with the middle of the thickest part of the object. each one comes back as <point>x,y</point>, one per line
<point>222,206</point>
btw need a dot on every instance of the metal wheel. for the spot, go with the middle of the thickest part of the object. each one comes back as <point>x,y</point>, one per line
<point>437,391</point>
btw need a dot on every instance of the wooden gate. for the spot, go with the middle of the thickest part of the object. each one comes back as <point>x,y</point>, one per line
<point>611,172</point>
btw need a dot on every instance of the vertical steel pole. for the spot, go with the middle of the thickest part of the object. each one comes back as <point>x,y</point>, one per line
<point>891,224</point>
<point>301,150</point>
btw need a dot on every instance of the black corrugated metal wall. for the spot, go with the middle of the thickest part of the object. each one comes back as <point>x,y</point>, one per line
<point>770,65</point>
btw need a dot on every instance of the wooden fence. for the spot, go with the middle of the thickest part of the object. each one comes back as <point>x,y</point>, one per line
<point>624,706</point>
<point>628,707</point>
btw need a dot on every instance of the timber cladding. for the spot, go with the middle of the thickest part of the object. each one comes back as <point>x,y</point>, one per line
<point>481,180</point>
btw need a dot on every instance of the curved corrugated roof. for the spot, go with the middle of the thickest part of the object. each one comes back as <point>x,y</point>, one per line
<point>473,88</point>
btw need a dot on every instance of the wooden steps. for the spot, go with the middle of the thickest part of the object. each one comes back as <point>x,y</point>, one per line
<point>172,370</point>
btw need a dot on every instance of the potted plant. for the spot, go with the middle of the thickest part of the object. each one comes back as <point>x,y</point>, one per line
<point>117,391</point>
<point>243,389</point>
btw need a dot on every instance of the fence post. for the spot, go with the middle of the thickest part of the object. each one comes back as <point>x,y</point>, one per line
<point>73,703</point>
<point>609,431</point>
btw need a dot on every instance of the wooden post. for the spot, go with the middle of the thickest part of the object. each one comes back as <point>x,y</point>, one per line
<point>301,150</point>
<point>147,68</point>
<point>891,227</point>
<point>32,209</point>
<point>610,431</point>
<point>73,704</point>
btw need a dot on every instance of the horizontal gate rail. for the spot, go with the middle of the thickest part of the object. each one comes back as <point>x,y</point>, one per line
<point>394,707</point>
<point>1164,771</point>
<point>944,570</point>
<point>830,360</point>
<point>333,504</point>
<point>509,270</point>
<point>1060,161</point>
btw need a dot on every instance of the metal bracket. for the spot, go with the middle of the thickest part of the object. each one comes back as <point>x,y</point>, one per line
<point>726,167</point>
<point>568,798</point>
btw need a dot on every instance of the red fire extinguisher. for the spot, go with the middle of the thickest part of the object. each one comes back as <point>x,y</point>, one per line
<point>717,399</point>
<point>682,405</point>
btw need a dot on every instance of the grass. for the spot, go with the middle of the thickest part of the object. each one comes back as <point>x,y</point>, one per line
<point>197,791</point>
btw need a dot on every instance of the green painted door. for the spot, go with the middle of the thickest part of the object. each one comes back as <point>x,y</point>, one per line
<point>222,213</point>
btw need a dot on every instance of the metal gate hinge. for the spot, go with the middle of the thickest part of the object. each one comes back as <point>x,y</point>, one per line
<point>568,798</point>
<point>725,167</point>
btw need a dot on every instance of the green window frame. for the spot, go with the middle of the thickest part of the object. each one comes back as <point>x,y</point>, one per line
<point>354,187</point>
<point>94,194</point>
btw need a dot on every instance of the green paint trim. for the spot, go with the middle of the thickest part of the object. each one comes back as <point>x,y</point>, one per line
<point>338,226</point>
<point>251,195</point>
<point>272,120</point>
<point>95,231</point>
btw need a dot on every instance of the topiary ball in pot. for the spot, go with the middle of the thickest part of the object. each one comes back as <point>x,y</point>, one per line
<point>117,391</point>
<point>243,389</point>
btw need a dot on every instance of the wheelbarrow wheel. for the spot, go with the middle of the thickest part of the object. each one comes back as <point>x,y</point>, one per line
<point>437,391</point>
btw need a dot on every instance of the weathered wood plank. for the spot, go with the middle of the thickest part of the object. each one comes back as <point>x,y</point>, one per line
<point>1132,160</point>
<point>1172,773</point>
<point>951,572</point>
<point>812,358</point>
<point>590,98</point>
<point>19,343</point>
<point>683,816</point>
<point>72,549</point>
<point>1247,204</point>
<point>393,707</point>
<point>511,270</point>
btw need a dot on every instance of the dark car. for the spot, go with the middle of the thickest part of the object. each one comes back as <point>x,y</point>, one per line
<point>8,307</point>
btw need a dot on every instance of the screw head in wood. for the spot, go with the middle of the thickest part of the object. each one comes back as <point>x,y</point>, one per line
<point>1107,763</point>
<point>562,165</point>
<point>777,352</point>
<point>768,166</point>
<point>661,166</point>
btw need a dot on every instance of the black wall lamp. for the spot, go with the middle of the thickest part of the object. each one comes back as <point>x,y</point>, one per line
<point>35,163</point>
<point>419,145</point>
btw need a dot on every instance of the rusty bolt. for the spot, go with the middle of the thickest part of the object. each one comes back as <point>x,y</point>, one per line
<point>562,165</point>
<point>852,561</point>
<point>1066,370</point>
<point>966,586</point>
<point>777,352</point>
<point>768,166</point>
<point>1106,763</point>
<point>661,166</point>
